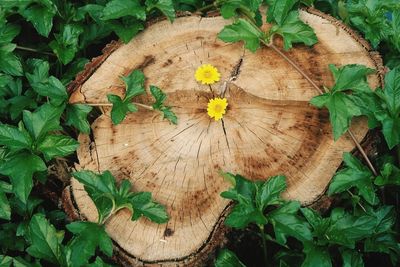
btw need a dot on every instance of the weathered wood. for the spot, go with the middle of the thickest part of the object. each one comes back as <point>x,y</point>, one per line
<point>269,129</point>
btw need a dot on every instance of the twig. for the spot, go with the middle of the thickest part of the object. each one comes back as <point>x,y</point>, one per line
<point>293,64</point>
<point>110,105</point>
<point>34,50</point>
<point>359,204</point>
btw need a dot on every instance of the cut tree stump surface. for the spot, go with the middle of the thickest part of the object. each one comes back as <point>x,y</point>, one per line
<point>269,129</point>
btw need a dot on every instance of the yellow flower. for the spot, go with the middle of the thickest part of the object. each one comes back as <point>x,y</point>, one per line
<point>207,74</point>
<point>216,108</point>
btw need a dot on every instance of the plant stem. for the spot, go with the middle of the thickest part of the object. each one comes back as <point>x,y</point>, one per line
<point>291,62</point>
<point>110,105</point>
<point>359,204</point>
<point>264,243</point>
<point>206,8</point>
<point>34,50</point>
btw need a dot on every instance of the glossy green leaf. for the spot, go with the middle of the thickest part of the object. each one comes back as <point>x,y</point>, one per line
<point>20,168</point>
<point>242,30</point>
<point>77,117</point>
<point>227,258</point>
<point>45,240</point>
<point>57,146</point>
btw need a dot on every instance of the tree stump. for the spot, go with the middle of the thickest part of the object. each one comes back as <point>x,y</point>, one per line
<point>269,129</point>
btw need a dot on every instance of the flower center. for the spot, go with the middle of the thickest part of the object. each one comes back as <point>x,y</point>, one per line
<point>207,74</point>
<point>218,108</point>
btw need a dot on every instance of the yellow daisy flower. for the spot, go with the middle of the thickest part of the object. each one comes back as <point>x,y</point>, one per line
<point>207,74</point>
<point>216,108</point>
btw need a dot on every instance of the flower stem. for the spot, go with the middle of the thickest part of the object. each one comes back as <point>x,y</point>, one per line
<point>264,243</point>
<point>110,105</point>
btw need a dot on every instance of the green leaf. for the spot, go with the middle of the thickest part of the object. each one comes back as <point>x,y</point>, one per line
<point>8,32</point>
<point>65,44</point>
<point>384,243</point>
<point>369,17</point>
<point>98,263</point>
<point>44,85</point>
<point>45,240</point>
<point>242,30</point>
<point>5,261</point>
<point>14,138</point>
<point>390,175</point>
<point>41,18</point>
<point>5,210</point>
<point>341,110</point>
<point>45,119</point>
<point>352,258</point>
<point>108,198</point>
<point>227,258</point>
<point>316,257</point>
<point>134,83</point>
<point>160,97</point>
<point>21,168</point>
<point>77,117</point>
<point>278,10</point>
<point>351,77</point>
<point>271,190</point>
<point>286,222</point>
<point>120,108</point>
<point>127,29</point>
<point>165,6</point>
<point>9,63</point>
<point>87,237</point>
<point>143,205</point>
<point>349,229</point>
<point>233,8</point>
<point>120,8</point>
<point>354,175</point>
<point>293,30</point>
<point>390,128</point>
<point>57,146</point>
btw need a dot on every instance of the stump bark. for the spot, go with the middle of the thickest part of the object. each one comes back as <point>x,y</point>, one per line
<point>269,129</point>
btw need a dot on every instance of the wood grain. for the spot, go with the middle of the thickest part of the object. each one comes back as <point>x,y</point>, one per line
<point>269,129</point>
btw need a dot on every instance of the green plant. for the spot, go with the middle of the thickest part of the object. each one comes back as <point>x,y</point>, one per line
<point>45,43</point>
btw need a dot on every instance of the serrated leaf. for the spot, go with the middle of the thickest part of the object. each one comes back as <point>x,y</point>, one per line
<point>8,32</point>
<point>41,18</point>
<point>286,222</point>
<point>43,120</point>
<point>165,6</point>
<point>271,190</point>
<point>232,8</point>
<point>341,110</point>
<point>160,97</point>
<point>242,30</point>
<point>120,108</point>
<point>228,258</point>
<point>143,205</point>
<point>87,237</point>
<point>126,31</point>
<point>45,240</point>
<point>46,85</point>
<point>120,8</point>
<point>390,175</point>
<point>57,146</point>
<point>351,77</point>
<point>293,30</point>
<point>5,210</point>
<point>20,168</point>
<point>77,117</point>
<point>355,175</point>
<point>278,10</point>
<point>65,44</point>
<point>349,229</point>
<point>316,256</point>
<point>9,63</point>
<point>134,83</point>
<point>13,138</point>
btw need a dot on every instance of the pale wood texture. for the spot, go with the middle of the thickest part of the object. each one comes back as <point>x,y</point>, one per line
<point>270,129</point>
